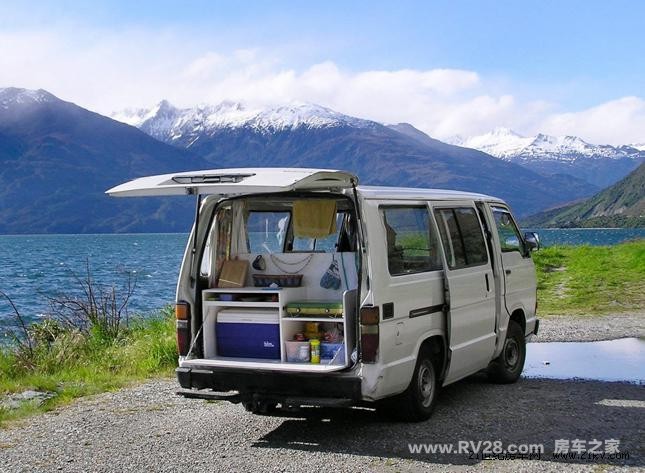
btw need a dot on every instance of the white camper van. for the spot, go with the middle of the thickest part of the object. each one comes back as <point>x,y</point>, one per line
<point>299,287</point>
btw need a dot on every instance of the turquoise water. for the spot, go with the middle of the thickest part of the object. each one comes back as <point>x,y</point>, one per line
<point>590,236</point>
<point>35,267</point>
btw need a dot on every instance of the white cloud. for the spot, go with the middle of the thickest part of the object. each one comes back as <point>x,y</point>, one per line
<point>108,70</point>
<point>615,122</point>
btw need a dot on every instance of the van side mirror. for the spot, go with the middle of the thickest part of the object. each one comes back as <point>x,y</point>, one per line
<point>532,240</point>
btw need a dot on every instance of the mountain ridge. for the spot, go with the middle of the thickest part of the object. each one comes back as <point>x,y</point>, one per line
<point>601,165</point>
<point>58,159</point>
<point>621,205</point>
<point>230,134</point>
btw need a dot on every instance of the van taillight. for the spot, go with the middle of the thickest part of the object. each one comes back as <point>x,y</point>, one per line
<point>182,310</point>
<point>369,317</point>
<point>182,314</point>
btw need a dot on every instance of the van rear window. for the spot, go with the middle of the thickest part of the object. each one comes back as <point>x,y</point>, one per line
<point>462,237</point>
<point>412,246</point>
<point>272,232</point>
<point>267,231</point>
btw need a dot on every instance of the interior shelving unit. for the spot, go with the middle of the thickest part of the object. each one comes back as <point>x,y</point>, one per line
<point>276,300</point>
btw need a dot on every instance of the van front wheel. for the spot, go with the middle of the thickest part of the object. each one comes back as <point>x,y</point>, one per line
<point>508,366</point>
<point>416,403</point>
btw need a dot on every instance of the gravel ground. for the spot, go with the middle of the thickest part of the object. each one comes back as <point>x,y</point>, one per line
<point>591,328</point>
<point>149,428</point>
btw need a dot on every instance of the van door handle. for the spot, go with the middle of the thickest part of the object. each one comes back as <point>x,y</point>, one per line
<point>487,283</point>
<point>508,271</point>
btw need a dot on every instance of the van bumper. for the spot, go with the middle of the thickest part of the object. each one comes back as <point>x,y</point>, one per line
<point>249,383</point>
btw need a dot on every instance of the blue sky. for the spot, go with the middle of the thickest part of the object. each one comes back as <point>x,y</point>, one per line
<point>531,66</point>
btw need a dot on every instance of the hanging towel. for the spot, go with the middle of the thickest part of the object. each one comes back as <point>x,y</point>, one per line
<point>314,218</point>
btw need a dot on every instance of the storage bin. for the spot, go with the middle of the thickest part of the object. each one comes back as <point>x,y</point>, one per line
<point>248,333</point>
<point>281,280</point>
<point>298,352</point>
<point>330,350</point>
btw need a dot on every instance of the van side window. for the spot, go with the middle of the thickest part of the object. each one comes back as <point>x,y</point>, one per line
<point>509,234</point>
<point>411,245</point>
<point>461,234</point>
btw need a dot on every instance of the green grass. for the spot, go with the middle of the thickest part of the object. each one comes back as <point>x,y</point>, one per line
<point>75,365</point>
<point>591,280</point>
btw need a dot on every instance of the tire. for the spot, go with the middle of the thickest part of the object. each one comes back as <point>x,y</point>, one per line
<point>259,407</point>
<point>417,402</point>
<point>508,366</point>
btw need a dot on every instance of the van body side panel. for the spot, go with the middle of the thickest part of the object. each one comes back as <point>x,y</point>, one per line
<point>410,309</point>
<point>520,285</point>
<point>501,314</point>
<point>472,319</point>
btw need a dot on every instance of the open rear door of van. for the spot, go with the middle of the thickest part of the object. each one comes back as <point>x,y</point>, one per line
<point>228,182</point>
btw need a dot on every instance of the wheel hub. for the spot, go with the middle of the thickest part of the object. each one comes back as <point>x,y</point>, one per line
<point>426,385</point>
<point>511,353</point>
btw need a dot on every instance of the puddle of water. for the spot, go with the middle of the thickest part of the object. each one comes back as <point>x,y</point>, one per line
<point>611,360</point>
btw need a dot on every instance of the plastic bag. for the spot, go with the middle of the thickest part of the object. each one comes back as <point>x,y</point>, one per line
<point>331,278</point>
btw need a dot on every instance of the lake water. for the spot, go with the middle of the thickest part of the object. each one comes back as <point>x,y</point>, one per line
<point>35,267</point>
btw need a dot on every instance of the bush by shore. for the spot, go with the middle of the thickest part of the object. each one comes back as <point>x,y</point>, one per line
<point>65,363</point>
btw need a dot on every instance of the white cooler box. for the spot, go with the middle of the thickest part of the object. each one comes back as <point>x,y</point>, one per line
<point>248,333</point>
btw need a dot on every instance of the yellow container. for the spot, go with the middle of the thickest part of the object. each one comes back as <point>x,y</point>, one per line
<point>312,330</point>
<point>315,350</point>
<point>312,326</point>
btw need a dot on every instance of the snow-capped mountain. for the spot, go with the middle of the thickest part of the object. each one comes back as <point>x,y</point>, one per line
<point>57,159</point>
<point>172,124</point>
<point>602,165</point>
<point>506,144</point>
<point>10,96</point>
<point>501,142</point>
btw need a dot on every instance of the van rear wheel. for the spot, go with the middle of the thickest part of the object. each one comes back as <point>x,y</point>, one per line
<point>417,402</point>
<point>508,366</point>
<point>259,407</point>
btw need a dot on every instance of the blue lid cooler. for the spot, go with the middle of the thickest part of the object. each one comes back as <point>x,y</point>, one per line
<point>248,333</point>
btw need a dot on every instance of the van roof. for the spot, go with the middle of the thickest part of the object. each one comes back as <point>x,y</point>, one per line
<point>384,192</point>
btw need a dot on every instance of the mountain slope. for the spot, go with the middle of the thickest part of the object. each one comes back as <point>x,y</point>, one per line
<point>57,159</point>
<point>308,135</point>
<point>621,205</point>
<point>601,165</point>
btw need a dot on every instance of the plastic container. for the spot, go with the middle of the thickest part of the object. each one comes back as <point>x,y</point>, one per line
<point>248,333</point>
<point>332,352</point>
<point>297,352</point>
<point>315,350</point>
